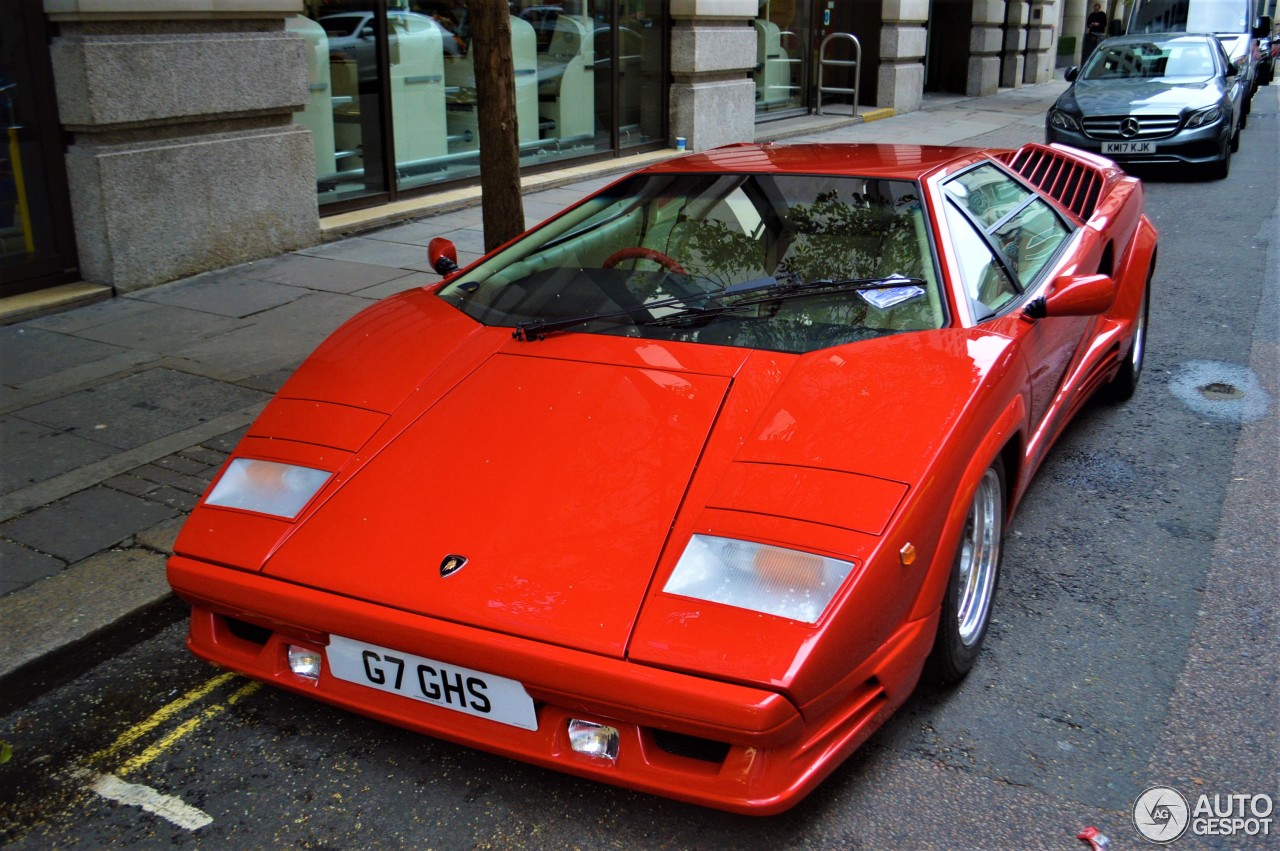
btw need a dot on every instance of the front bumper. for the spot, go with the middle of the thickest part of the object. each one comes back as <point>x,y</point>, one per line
<point>1196,146</point>
<point>718,744</point>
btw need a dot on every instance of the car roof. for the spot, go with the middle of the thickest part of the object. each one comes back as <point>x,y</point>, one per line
<point>909,162</point>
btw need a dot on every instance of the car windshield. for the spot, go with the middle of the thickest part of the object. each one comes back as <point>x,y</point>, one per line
<point>1181,58</point>
<point>775,261</point>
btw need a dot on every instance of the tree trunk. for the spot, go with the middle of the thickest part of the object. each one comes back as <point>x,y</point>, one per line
<point>499,137</point>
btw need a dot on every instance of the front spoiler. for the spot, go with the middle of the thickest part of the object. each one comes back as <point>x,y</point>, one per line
<point>772,756</point>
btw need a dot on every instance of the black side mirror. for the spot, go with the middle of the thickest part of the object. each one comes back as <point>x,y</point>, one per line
<point>1231,70</point>
<point>1071,74</point>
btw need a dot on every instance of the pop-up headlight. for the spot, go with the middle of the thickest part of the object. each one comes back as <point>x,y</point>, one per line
<point>763,578</point>
<point>267,487</point>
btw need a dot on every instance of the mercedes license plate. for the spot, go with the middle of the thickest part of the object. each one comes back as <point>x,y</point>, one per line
<point>1128,147</point>
<point>438,683</point>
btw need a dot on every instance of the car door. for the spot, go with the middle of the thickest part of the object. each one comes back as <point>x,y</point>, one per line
<point>1005,240</point>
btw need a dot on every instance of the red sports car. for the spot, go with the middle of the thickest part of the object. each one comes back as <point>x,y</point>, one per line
<point>683,489</point>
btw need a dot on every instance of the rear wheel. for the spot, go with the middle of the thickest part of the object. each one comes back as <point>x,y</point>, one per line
<point>975,573</point>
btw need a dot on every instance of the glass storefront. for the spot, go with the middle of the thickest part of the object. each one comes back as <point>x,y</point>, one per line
<point>37,248</point>
<point>393,81</point>
<point>783,56</point>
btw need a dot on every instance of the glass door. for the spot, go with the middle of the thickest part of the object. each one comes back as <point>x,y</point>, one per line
<point>37,244</point>
<point>784,32</point>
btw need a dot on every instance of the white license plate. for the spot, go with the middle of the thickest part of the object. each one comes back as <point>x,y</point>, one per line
<point>1128,147</point>
<point>438,683</point>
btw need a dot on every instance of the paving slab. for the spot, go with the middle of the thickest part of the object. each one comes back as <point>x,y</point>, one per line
<point>164,328</point>
<point>71,321</point>
<point>27,354</point>
<point>376,252</point>
<point>20,566</point>
<point>317,273</point>
<point>84,523</point>
<point>465,239</point>
<point>141,408</point>
<point>279,337</point>
<point>231,294</point>
<point>399,285</point>
<point>412,233</point>
<point>34,452</point>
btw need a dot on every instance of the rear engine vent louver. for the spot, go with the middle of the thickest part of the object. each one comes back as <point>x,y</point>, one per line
<point>1073,183</point>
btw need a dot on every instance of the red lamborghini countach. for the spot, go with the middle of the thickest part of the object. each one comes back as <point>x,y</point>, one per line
<point>683,489</point>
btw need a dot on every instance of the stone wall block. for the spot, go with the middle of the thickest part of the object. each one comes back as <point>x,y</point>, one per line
<point>988,12</point>
<point>713,48</point>
<point>713,113</point>
<point>900,86</point>
<point>984,76</point>
<point>903,42</point>
<point>708,9</point>
<point>140,79</point>
<point>904,11</point>
<point>151,213</point>
<point>984,40</point>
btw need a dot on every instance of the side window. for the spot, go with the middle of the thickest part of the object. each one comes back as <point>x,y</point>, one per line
<point>985,280</point>
<point>1029,238</point>
<point>1004,234</point>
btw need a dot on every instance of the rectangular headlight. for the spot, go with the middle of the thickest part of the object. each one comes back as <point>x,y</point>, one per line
<point>267,487</point>
<point>777,581</point>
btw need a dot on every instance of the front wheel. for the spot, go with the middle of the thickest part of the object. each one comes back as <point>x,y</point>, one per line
<point>1125,383</point>
<point>975,573</point>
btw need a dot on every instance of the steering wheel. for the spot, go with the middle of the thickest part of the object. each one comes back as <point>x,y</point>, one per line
<point>643,254</point>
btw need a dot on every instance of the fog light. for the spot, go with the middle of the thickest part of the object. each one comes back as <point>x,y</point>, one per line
<point>592,739</point>
<point>304,662</point>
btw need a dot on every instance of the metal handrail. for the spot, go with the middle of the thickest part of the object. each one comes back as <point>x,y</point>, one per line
<point>823,62</point>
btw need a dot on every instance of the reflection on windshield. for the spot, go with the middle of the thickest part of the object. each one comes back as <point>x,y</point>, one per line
<point>652,256</point>
<point>1187,58</point>
<point>1193,16</point>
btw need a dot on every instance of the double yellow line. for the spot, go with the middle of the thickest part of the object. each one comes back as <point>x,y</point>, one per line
<point>104,758</point>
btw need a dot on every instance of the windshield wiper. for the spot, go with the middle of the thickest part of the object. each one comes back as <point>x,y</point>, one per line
<point>540,328</point>
<point>761,291</point>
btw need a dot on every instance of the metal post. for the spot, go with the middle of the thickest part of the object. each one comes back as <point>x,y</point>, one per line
<point>823,62</point>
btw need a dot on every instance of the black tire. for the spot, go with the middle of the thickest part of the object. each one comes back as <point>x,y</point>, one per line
<point>1220,169</point>
<point>971,589</point>
<point>1121,388</point>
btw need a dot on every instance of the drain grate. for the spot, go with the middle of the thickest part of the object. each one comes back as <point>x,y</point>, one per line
<point>1221,390</point>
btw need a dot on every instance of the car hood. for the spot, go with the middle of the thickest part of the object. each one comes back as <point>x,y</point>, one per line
<point>557,481</point>
<point>1137,97</point>
<point>555,471</point>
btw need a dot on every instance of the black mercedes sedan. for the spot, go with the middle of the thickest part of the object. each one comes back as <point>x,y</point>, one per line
<point>1152,99</point>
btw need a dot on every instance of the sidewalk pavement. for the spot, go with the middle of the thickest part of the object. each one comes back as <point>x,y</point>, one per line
<point>114,417</point>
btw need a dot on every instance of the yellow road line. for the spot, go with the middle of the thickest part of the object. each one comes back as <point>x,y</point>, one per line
<point>160,716</point>
<point>184,729</point>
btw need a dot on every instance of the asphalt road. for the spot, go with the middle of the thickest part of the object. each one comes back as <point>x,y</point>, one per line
<point>1134,644</point>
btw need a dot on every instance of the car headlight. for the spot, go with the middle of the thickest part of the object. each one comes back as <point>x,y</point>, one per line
<point>1201,117</point>
<point>1063,120</point>
<point>267,487</point>
<point>777,581</point>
